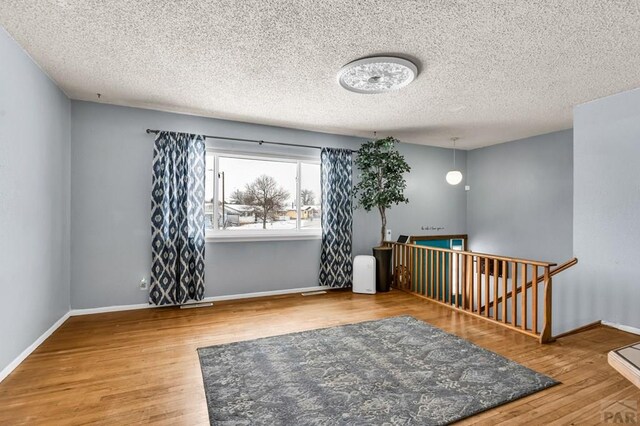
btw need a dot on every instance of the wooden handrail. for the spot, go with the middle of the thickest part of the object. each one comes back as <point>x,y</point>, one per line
<point>466,281</point>
<point>474,253</point>
<point>566,265</point>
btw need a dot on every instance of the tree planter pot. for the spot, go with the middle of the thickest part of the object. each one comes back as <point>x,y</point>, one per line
<point>383,268</point>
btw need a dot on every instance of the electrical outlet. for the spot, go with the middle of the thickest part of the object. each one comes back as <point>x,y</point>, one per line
<point>144,285</point>
<point>388,236</point>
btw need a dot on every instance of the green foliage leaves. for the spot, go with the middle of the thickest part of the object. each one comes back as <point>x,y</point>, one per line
<point>382,170</point>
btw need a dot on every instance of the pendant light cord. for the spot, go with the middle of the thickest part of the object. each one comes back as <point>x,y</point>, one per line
<point>454,139</point>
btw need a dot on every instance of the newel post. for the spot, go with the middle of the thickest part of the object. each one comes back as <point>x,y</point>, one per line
<point>546,336</point>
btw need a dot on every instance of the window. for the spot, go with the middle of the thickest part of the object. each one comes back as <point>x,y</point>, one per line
<point>261,197</point>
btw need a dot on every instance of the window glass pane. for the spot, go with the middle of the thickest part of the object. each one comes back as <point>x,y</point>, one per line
<point>310,196</point>
<point>257,194</point>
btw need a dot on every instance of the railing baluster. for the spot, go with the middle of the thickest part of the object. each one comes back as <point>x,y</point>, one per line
<point>431,273</point>
<point>412,258</point>
<point>449,284</point>
<point>414,272</point>
<point>400,252</point>
<point>504,291</point>
<point>439,280</point>
<point>425,270</point>
<point>398,265</point>
<point>423,260</point>
<point>438,275</point>
<point>534,300</point>
<point>419,272</point>
<point>444,274</point>
<point>434,271</point>
<point>401,268</point>
<point>478,285</point>
<point>405,264</point>
<point>407,269</point>
<point>514,294</point>
<point>458,278</point>
<point>523,277</point>
<point>495,289</point>
<point>465,275</point>
<point>469,283</point>
<point>410,267</point>
<point>486,286</point>
<point>462,262</point>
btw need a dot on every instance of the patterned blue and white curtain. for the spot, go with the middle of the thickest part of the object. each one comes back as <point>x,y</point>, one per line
<point>336,265</point>
<point>177,219</point>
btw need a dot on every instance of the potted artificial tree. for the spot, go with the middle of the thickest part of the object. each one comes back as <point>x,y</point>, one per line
<point>381,185</point>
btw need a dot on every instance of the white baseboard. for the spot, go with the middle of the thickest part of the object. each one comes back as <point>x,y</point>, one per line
<point>12,366</point>
<point>74,312</point>
<point>622,327</point>
<point>117,308</point>
<point>265,293</point>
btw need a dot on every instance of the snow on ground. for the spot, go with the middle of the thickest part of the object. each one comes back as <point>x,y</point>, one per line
<point>278,225</point>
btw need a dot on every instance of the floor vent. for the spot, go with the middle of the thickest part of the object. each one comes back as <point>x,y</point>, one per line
<point>314,293</point>
<point>196,305</point>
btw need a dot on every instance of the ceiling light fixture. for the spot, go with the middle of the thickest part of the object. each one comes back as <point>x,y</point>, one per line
<point>377,74</point>
<point>454,176</point>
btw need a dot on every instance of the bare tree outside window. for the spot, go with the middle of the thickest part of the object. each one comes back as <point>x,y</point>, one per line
<point>267,196</point>
<point>240,197</point>
<point>307,197</point>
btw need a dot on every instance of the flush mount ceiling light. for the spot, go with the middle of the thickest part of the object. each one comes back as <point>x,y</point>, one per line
<point>377,74</point>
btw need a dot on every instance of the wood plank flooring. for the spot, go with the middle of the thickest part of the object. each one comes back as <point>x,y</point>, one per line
<point>142,367</point>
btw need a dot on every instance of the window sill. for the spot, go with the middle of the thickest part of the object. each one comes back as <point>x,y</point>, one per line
<point>237,237</point>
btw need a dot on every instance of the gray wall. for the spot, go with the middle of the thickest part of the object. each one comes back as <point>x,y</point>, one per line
<point>433,203</point>
<point>34,201</point>
<point>521,204</point>
<point>111,182</point>
<point>606,234</point>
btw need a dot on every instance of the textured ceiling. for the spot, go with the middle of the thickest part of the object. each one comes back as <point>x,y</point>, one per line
<point>490,71</point>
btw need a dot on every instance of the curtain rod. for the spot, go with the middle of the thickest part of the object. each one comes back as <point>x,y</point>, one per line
<point>259,142</point>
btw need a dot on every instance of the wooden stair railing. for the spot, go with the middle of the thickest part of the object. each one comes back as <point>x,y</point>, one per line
<point>568,264</point>
<point>481,285</point>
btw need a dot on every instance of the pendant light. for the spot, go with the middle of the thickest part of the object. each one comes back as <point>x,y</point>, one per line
<point>454,176</point>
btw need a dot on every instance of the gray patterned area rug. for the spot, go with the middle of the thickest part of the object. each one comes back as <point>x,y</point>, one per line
<point>394,371</point>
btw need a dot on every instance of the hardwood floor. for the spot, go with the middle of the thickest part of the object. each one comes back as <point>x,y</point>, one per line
<point>142,367</point>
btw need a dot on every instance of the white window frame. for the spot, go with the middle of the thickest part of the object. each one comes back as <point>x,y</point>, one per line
<point>221,235</point>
